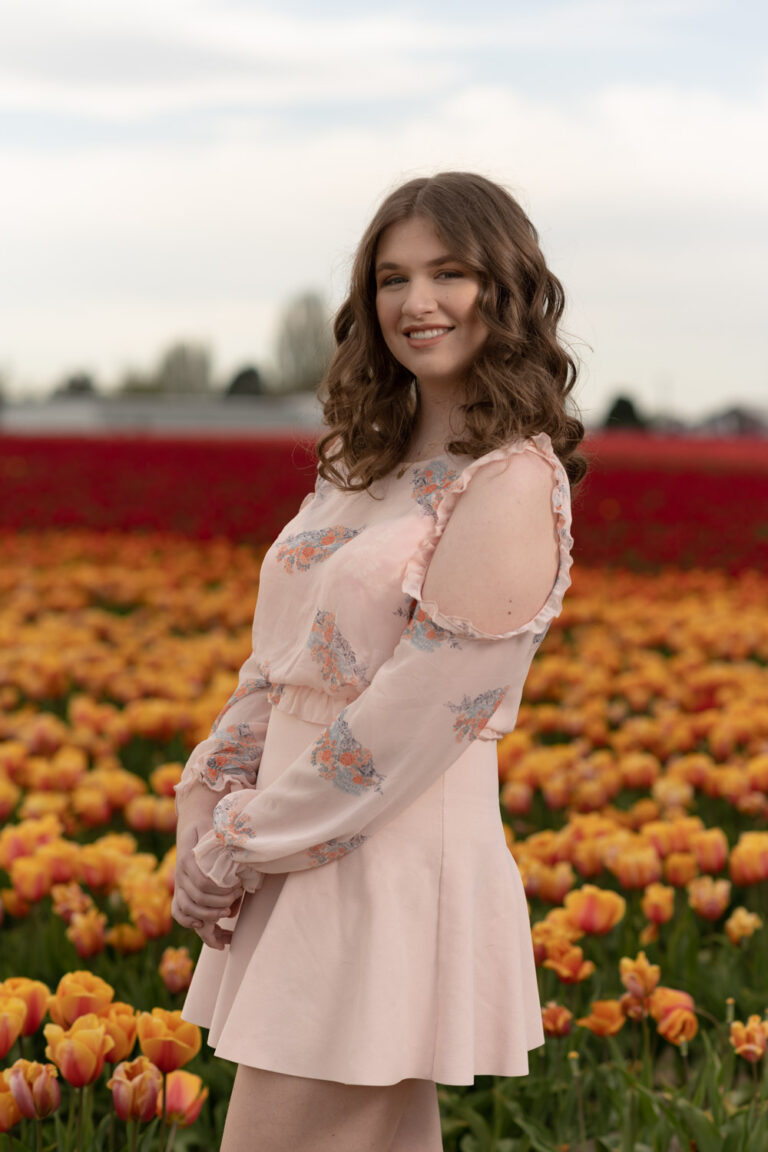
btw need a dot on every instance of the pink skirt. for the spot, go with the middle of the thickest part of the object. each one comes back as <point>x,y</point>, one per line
<point>409,957</point>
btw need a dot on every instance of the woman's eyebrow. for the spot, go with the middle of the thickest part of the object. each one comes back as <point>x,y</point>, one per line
<point>385,266</point>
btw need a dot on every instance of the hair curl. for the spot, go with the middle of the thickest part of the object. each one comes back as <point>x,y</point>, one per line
<point>522,375</point>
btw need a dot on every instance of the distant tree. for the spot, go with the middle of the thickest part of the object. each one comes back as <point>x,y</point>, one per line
<point>133,383</point>
<point>184,369</point>
<point>246,382</point>
<point>623,414</point>
<point>304,344</point>
<point>78,384</point>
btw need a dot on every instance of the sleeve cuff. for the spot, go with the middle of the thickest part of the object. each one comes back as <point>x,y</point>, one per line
<point>214,860</point>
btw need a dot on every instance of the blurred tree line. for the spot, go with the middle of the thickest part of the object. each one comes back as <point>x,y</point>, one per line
<point>303,348</point>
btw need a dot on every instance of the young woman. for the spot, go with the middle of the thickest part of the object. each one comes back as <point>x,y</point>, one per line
<point>345,806</point>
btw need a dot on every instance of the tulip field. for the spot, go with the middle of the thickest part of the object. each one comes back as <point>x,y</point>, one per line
<point>634,792</point>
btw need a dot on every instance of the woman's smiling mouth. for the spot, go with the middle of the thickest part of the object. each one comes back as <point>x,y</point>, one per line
<point>425,335</point>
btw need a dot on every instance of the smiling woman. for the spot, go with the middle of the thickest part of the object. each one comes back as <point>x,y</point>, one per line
<point>345,805</point>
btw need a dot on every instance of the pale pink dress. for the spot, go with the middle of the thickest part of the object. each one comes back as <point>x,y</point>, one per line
<point>386,933</point>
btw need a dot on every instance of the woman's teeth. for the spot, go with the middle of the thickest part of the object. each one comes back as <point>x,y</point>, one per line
<point>427,333</point>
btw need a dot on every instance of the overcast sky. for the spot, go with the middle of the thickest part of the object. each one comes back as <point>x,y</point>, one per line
<point>179,169</point>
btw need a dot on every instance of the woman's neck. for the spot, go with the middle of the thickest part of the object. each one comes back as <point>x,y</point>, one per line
<point>439,419</point>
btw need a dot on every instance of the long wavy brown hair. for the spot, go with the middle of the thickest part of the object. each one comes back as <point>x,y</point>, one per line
<point>521,378</point>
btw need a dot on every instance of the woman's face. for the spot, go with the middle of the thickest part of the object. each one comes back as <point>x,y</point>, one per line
<point>426,303</point>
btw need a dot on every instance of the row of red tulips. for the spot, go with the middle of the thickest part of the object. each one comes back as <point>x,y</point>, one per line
<point>646,501</point>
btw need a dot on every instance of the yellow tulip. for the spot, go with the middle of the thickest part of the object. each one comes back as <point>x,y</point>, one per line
<point>80,1051</point>
<point>78,994</point>
<point>167,1040</point>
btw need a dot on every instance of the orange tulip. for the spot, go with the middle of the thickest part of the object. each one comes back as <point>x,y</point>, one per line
<point>31,878</point>
<point>594,910</point>
<point>709,898</point>
<point>636,866</point>
<point>78,994</point>
<point>680,868</point>
<point>184,1097</point>
<point>649,934</point>
<point>10,1113</point>
<point>136,1089</point>
<point>165,778</point>
<point>91,805</point>
<point>69,899</point>
<point>678,1026</point>
<point>587,857</point>
<point>710,847</point>
<point>35,1088</point>
<point>638,976</point>
<point>605,1019</point>
<point>664,1000</point>
<point>79,1052</point>
<point>61,859</point>
<point>167,1040</point>
<point>121,1021</point>
<point>658,903</point>
<point>35,995</point>
<point>151,911</point>
<point>556,1019</point>
<point>87,932</point>
<point>13,1014</point>
<point>100,867</point>
<point>516,797</point>
<point>673,1011</point>
<point>751,1039</point>
<point>638,769</point>
<point>13,904</point>
<point>126,938</point>
<point>139,813</point>
<point>749,859</point>
<point>176,969</point>
<point>567,961</point>
<point>742,924</point>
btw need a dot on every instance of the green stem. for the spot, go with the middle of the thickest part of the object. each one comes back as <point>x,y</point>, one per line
<point>71,1118</point>
<point>134,1127</point>
<point>171,1138</point>
<point>39,1126</point>
<point>582,1123</point>
<point>79,1143</point>
<point>647,1063</point>
<point>162,1116</point>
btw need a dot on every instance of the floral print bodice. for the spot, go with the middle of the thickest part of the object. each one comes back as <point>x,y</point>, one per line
<point>342,638</point>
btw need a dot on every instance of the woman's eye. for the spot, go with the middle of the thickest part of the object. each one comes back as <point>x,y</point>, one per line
<point>390,280</point>
<point>450,274</point>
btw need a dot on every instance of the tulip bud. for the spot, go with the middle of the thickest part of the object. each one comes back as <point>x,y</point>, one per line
<point>176,969</point>
<point>184,1097</point>
<point>135,1089</point>
<point>35,1088</point>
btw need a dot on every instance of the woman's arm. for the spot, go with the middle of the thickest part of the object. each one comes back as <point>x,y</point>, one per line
<point>226,761</point>
<point>427,703</point>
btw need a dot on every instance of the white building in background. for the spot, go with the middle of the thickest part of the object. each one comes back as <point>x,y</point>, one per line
<point>210,415</point>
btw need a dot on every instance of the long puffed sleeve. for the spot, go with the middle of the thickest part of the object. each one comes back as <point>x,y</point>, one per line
<point>228,760</point>
<point>445,684</point>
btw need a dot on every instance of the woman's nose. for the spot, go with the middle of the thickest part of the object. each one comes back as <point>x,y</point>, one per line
<point>419,298</point>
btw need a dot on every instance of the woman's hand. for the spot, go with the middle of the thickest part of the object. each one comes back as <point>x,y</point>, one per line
<point>198,903</point>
